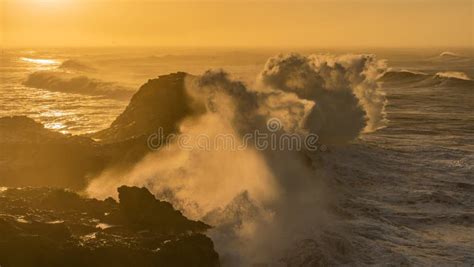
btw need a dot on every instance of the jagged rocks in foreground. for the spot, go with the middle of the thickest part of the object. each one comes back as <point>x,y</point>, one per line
<point>54,227</point>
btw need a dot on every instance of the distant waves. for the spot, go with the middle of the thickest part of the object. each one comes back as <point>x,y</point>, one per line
<point>418,79</point>
<point>78,84</point>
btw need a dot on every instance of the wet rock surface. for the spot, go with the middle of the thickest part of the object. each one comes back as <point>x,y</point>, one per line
<point>55,227</point>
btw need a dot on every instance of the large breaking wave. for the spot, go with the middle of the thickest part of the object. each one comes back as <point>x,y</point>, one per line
<point>261,201</point>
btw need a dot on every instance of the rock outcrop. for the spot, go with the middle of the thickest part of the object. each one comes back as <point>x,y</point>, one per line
<point>158,103</point>
<point>54,227</point>
<point>140,208</point>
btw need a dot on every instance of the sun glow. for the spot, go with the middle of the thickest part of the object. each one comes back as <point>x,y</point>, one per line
<point>213,23</point>
<point>55,2</point>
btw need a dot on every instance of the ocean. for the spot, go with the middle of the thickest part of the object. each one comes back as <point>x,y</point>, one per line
<point>403,193</point>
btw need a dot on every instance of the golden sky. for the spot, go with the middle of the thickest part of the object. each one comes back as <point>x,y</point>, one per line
<point>382,23</point>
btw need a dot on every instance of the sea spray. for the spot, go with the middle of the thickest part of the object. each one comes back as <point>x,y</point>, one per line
<point>260,201</point>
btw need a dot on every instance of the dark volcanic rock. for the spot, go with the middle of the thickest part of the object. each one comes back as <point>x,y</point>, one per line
<point>54,227</point>
<point>139,207</point>
<point>158,103</point>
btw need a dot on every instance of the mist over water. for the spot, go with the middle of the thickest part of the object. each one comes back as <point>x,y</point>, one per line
<point>264,203</point>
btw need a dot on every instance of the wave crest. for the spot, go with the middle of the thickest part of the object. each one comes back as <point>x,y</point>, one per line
<point>67,83</point>
<point>75,65</point>
<point>450,79</point>
<point>454,74</point>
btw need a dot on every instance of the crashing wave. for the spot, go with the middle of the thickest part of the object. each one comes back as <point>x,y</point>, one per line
<point>343,89</point>
<point>337,98</point>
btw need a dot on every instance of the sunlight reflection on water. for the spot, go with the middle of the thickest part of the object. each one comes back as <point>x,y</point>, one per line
<point>63,112</point>
<point>40,61</point>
